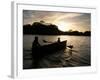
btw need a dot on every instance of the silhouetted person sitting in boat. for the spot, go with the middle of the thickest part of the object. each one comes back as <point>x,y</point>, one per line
<point>35,52</point>
<point>58,39</point>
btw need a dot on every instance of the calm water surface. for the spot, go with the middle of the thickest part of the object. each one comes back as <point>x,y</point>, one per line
<point>79,56</point>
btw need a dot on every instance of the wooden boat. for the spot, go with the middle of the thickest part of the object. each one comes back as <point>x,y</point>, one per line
<point>48,49</point>
<point>38,51</point>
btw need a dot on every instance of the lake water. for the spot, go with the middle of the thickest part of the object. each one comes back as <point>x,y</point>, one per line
<point>80,55</point>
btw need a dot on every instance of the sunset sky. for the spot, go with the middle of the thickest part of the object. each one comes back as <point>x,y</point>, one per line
<point>64,20</point>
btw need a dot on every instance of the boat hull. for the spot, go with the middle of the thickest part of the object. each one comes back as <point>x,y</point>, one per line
<point>40,51</point>
<point>48,49</point>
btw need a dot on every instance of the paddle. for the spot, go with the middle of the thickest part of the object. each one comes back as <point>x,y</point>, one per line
<point>73,50</point>
<point>47,41</point>
<point>70,46</point>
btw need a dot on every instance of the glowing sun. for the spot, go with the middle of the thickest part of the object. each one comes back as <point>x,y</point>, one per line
<point>63,26</point>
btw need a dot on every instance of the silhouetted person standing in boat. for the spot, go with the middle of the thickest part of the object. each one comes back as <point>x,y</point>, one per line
<point>35,52</point>
<point>35,43</point>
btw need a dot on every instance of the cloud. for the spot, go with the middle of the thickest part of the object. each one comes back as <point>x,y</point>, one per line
<point>82,20</point>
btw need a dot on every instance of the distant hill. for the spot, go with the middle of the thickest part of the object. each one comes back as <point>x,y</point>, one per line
<point>42,28</point>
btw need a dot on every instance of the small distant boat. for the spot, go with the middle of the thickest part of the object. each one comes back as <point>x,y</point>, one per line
<point>49,48</point>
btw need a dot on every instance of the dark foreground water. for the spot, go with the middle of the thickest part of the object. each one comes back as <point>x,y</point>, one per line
<point>79,56</point>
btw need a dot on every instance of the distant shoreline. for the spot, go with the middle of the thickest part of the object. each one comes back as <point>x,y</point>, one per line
<point>55,35</point>
<point>38,28</point>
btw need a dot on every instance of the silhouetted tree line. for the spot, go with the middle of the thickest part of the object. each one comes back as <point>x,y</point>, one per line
<point>51,29</point>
